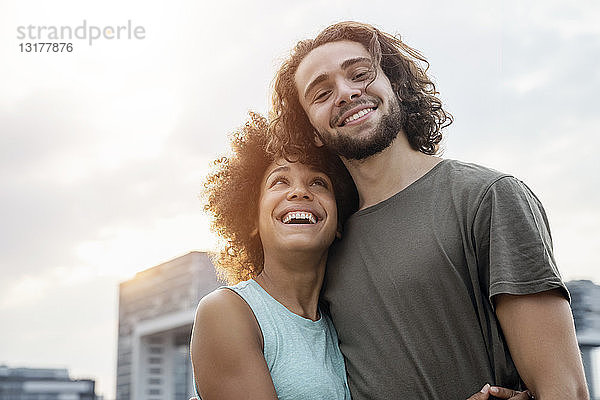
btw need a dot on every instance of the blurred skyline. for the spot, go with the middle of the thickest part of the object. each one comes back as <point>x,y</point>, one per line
<point>104,149</point>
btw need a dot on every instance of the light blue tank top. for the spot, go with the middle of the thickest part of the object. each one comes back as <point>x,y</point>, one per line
<point>302,355</point>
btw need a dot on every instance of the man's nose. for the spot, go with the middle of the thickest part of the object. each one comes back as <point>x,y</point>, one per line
<point>347,92</point>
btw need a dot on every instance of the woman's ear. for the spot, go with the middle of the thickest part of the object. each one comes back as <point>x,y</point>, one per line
<point>254,233</point>
<point>338,232</point>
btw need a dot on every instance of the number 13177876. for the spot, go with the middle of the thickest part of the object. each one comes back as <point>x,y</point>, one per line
<point>46,47</point>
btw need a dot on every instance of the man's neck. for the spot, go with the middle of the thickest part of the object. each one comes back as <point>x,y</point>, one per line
<point>386,173</point>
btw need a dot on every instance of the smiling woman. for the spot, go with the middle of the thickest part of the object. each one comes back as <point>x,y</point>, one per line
<point>233,190</point>
<point>266,337</point>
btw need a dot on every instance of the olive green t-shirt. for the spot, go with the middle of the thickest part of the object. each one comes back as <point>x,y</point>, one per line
<point>410,285</point>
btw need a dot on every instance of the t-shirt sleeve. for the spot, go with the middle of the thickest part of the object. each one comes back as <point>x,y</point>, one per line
<point>513,242</point>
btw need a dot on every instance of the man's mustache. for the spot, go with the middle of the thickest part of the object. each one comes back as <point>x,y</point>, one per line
<point>363,100</point>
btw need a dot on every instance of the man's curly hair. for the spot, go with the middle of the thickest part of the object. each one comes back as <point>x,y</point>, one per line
<point>233,190</point>
<point>291,129</point>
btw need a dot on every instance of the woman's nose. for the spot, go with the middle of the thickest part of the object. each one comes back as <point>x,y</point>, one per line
<point>299,191</point>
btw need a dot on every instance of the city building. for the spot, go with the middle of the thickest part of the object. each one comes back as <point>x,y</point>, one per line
<point>156,313</point>
<point>585,303</point>
<point>43,384</point>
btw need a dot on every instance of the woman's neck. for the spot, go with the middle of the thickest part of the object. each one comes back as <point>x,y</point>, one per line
<point>294,280</point>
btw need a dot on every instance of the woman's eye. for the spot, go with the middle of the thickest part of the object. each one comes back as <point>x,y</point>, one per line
<point>320,182</point>
<point>279,181</point>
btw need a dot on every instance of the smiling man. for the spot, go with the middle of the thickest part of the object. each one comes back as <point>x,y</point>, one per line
<point>445,277</point>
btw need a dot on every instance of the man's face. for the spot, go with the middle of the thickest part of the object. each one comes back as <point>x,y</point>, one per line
<point>349,102</point>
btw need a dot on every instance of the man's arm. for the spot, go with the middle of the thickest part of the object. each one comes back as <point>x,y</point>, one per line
<point>540,334</point>
<point>226,349</point>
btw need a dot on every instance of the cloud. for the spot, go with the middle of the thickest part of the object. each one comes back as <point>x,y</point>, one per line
<point>67,178</point>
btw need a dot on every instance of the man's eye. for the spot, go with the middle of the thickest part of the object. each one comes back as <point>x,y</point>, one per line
<point>362,75</point>
<point>321,96</point>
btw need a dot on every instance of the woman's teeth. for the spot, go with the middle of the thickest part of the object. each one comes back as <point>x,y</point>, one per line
<point>299,217</point>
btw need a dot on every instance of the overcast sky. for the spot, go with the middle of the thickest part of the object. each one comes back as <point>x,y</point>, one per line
<point>103,150</point>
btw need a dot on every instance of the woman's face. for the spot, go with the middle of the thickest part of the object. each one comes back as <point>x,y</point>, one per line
<point>297,209</point>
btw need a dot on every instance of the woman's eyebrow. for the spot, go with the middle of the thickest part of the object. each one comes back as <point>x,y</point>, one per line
<point>279,169</point>
<point>314,168</point>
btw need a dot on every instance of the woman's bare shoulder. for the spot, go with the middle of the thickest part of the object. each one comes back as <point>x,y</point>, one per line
<point>224,314</point>
<point>226,349</point>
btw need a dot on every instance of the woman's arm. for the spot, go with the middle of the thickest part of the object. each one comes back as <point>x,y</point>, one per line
<point>541,337</point>
<point>227,350</point>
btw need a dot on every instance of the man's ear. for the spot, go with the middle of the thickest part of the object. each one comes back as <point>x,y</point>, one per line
<point>317,140</point>
<point>254,233</point>
<point>338,232</point>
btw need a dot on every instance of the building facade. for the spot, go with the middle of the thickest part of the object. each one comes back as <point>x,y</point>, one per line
<point>585,303</point>
<point>43,384</point>
<point>156,313</point>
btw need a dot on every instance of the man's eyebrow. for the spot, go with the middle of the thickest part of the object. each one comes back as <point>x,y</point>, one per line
<point>345,64</point>
<point>315,82</point>
<point>351,61</point>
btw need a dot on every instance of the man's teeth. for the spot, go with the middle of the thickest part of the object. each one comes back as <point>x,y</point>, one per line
<point>299,216</point>
<point>357,115</point>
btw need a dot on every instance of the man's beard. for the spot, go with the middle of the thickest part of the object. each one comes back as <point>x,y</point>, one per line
<point>354,148</point>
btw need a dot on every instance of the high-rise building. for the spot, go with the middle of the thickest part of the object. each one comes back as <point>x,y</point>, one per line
<point>156,313</point>
<point>43,384</point>
<point>585,302</point>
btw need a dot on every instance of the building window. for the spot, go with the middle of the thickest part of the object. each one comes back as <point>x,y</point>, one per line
<point>155,340</point>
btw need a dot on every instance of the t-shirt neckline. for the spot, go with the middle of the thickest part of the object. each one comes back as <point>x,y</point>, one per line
<point>407,189</point>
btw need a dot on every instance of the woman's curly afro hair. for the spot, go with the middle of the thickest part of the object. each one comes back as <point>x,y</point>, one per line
<point>232,192</point>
